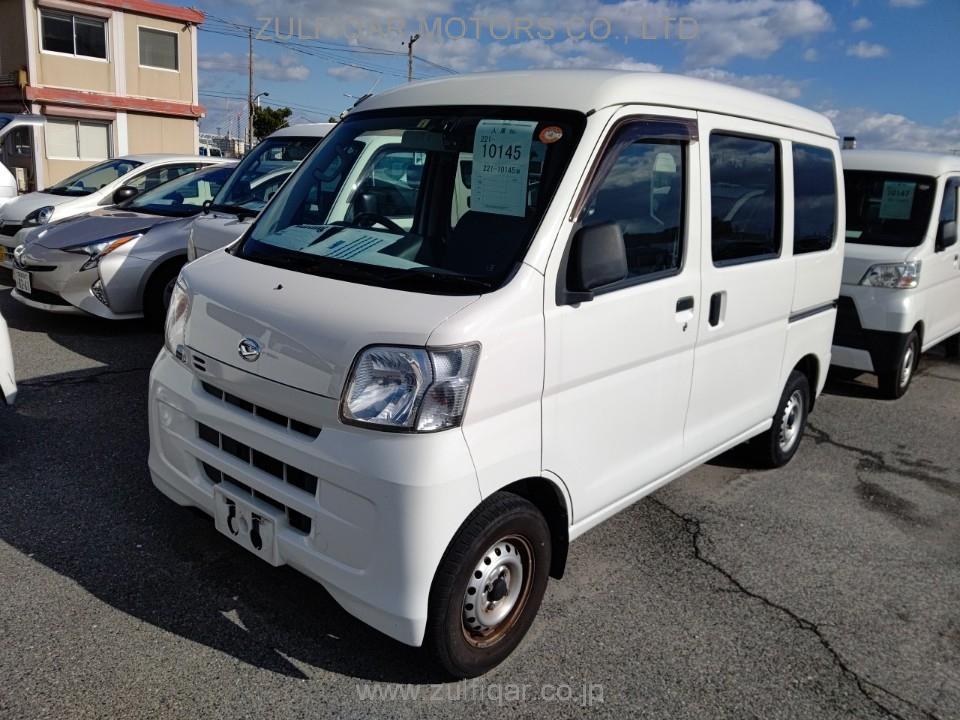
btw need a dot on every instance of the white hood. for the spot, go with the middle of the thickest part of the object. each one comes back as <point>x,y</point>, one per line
<point>309,328</point>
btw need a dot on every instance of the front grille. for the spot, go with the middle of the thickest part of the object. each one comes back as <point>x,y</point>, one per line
<point>9,229</point>
<point>47,298</point>
<point>270,465</point>
<point>261,412</point>
<point>848,332</point>
<point>297,520</point>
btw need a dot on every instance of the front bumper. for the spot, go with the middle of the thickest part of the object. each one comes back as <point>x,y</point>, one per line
<point>58,284</point>
<point>863,348</point>
<point>373,523</point>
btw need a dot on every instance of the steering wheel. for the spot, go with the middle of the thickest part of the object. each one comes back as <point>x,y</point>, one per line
<point>369,219</point>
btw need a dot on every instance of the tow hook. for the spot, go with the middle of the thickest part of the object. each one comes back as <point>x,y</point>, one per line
<point>230,516</point>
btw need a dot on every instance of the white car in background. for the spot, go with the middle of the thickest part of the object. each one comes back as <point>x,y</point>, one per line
<point>8,382</point>
<point>98,186</point>
<point>257,179</point>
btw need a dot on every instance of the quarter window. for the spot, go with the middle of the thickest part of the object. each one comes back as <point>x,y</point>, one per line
<point>815,199</point>
<point>73,34</point>
<point>744,199</point>
<point>948,212</point>
<point>643,192</point>
<point>158,48</point>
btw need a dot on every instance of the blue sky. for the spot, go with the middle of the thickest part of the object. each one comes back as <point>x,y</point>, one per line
<point>884,70</point>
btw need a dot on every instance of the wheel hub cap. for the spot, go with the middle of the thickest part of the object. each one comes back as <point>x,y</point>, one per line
<point>495,586</point>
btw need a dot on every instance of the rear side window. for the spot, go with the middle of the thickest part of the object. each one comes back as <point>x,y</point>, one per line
<point>643,193</point>
<point>814,200</point>
<point>744,198</point>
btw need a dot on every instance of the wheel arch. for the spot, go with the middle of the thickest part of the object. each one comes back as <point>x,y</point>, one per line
<point>168,261</point>
<point>549,499</point>
<point>809,366</point>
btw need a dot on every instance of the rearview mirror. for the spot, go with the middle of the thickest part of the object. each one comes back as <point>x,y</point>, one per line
<point>597,257</point>
<point>124,193</point>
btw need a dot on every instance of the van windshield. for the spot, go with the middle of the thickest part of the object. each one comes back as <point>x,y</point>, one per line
<point>889,209</point>
<point>261,173</point>
<point>442,200</point>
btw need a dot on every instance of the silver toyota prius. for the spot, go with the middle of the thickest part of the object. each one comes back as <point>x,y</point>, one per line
<point>117,263</point>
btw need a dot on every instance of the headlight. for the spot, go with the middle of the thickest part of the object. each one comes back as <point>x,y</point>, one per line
<point>175,327</point>
<point>410,389</point>
<point>40,216</point>
<point>893,275</point>
<point>97,251</point>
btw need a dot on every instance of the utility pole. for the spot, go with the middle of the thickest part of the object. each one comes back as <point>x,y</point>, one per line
<point>410,42</point>
<point>249,88</point>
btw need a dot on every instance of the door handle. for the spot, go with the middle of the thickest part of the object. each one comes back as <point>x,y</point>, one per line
<point>716,303</point>
<point>685,303</point>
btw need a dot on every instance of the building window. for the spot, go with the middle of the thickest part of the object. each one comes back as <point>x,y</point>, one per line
<point>77,139</point>
<point>73,34</point>
<point>158,49</point>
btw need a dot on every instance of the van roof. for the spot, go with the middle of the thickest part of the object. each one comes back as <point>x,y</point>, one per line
<point>304,130</point>
<point>919,163</point>
<point>586,90</point>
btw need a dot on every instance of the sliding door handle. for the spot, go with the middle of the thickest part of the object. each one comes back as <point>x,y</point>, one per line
<point>716,304</point>
<point>685,303</point>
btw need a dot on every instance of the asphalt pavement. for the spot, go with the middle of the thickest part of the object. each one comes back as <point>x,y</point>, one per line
<point>827,589</point>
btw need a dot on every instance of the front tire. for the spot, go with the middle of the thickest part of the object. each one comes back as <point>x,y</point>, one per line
<point>895,380</point>
<point>779,444</point>
<point>489,585</point>
<point>156,296</point>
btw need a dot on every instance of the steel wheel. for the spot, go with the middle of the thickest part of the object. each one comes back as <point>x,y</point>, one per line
<point>791,422</point>
<point>497,591</point>
<point>907,364</point>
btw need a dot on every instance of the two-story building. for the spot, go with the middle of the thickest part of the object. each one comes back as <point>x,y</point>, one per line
<point>111,77</point>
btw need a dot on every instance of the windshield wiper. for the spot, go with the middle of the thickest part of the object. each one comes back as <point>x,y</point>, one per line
<point>238,210</point>
<point>440,277</point>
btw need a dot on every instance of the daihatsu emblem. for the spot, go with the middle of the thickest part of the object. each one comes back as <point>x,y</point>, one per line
<point>249,349</point>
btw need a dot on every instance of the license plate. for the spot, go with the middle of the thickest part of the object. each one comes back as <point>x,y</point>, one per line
<point>248,522</point>
<point>21,279</point>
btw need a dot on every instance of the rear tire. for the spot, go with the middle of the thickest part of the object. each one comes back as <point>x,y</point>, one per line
<point>489,585</point>
<point>895,380</point>
<point>156,296</point>
<point>779,444</point>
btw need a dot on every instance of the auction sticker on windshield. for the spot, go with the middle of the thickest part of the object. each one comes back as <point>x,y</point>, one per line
<point>501,161</point>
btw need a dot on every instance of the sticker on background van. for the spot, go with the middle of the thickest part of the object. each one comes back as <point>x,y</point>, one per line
<point>897,200</point>
<point>501,161</point>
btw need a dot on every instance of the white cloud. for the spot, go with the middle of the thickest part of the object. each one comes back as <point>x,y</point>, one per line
<point>889,130</point>
<point>775,85</point>
<point>348,73</point>
<point>284,68</point>
<point>907,3</point>
<point>811,55</point>
<point>751,28</point>
<point>867,51</point>
<point>860,24</point>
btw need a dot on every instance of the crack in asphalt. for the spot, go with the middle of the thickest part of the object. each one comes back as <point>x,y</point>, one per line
<point>693,528</point>
<point>876,462</point>
<point>81,379</point>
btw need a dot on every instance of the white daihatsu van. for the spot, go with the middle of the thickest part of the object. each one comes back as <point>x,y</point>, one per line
<point>550,294</point>
<point>901,271</point>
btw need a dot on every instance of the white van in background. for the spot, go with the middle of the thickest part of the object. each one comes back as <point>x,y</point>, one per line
<point>901,270</point>
<point>256,179</point>
<point>548,295</point>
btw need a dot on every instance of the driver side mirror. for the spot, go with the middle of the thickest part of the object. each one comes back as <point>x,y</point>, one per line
<point>598,257</point>
<point>124,193</point>
<point>206,206</point>
<point>947,232</point>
